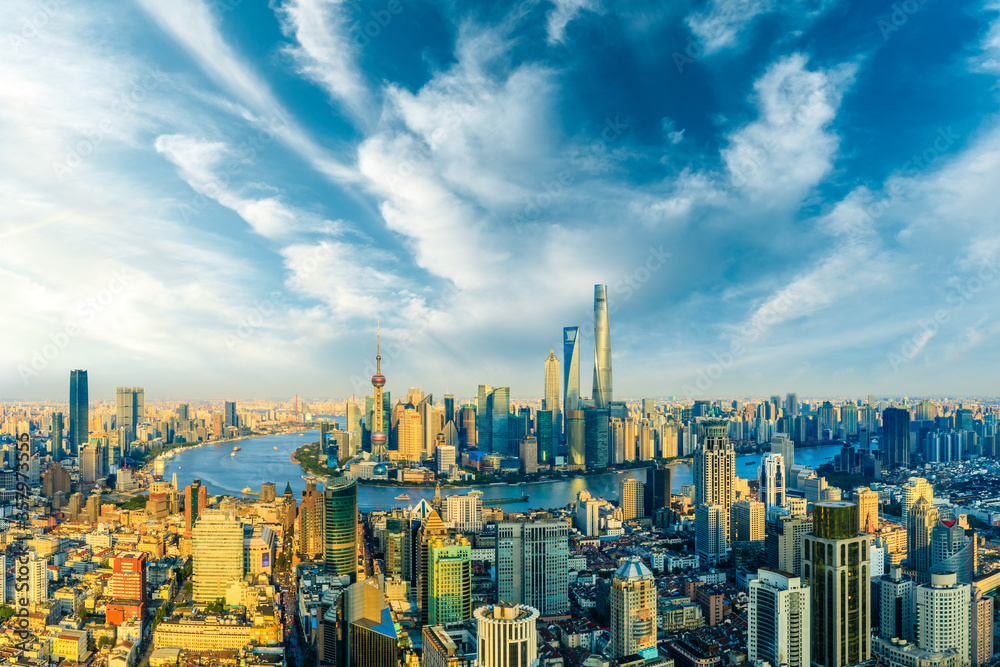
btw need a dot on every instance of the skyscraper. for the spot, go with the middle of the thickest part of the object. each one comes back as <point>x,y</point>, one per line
<point>943,615</point>
<point>229,417</point>
<point>596,436</point>
<point>778,620</point>
<point>783,543</point>
<point>56,433</point>
<point>498,410</point>
<point>131,407</point>
<point>507,635</point>
<point>552,379</point>
<point>531,564</point>
<point>656,495</point>
<point>602,393</point>
<point>308,533</point>
<point>546,435</point>
<point>837,570</point>
<point>379,439</point>
<point>782,444</point>
<point>715,469</point>
<point>772,481</point>
<point>981,629</point>
<point>914,489</point>
<point>571,369</point>
<point>896,437</point>
<point>748,519</point>
<point>633,611</point>
<point>195,502</point>
<point>867,502</point>
<point>431,529</point>
<point>449,408</point>
<point>340,526</point>
<point>576,436</point>
<point>79,411</point>
<point>895,595</point>
<point>353,413</point>
<point>216,554</point>
<point>921,520</point>
<point>632,499</point>
<point>449,583</point>
<point>484,419</point>
<point>711,539</point>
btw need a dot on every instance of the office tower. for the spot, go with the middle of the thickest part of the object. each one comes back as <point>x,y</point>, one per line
<point>3,568</point>
<point>195,502</point>
<point>837,570</point>
<point>484,419</point>
<point>79,411</point>
<point>546,435</point>
<point>782,444</point>
<point>576,438</point>
<point>376,423</point>
<point>452,646</point>
<point>771,475</point>
<point>216,554</point>
<point>432,528</point>
<point>895,437</point>
<point>493,417</point>
<point>633,611</point>
<point>587,519</point>
<point>268,492</point>
<point>449,408</point>
<point>92,468</point>
<point>340,527</point>
<point>372,635</point>
<point>571,369</point>
<point>432,423</point>
<point>981,629</point>
<point>128,588</point>
<point>951,550</point>
<point>783,543</point>
<point>849,418</point>
<point>464,513</point>
<point>656,495</point>
<point>826,420</point>
<point>449,583</point>
<point>748,517</point>
<point>867,502</point>
<point>507,635</point>
<point>229,417</point>
<point>895,596</point>
<point>596,424</point>
<point>411,434</point>
<point>445,457</point>
<point>711,524</point>
<point>130,403</point>
<point>715,469</point>
<point>528,453</point>
<point>182,412</point>
<point>792,405</point>
<point>778,620</point>
<point>308,533</point>
<point>943,615</point>
<point>552,379</point>
<point>353,414</point>
<point>914,489</point>
<point>34,571</point>
<point>602,393</point>
<point>467,426</point>
<point>631,494</point>
<point>921,520</point>
<point>56,434</point>
<point>648,407</point>
<point>963,419</point>
<point>646,441</point>
<point>531,564</point>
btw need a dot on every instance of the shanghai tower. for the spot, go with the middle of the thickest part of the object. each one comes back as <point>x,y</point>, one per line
<point>602,348</point>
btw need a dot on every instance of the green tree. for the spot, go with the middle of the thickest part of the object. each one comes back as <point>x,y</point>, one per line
<point>84,615</point>
<point>5,613</point>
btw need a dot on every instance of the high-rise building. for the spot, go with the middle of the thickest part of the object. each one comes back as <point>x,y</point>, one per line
<point>547,436</point>
<point>552,380</point>
<point>602,393</point>
<point>748,520</point>
<point>587,514</point>
<point>771,475</point>
<point>837,570</point>
<point>195,502</point>
<point>921,520</point>
<point>576,438</point>
<point>376,423</point>
<point>498,411</point>
<point>631,493</point>
<point>849,418</point>
<point>33,570</point>
<point>633,611</point>
<point>656,494</point>
<point>778,620</point>
<point>92,458</point>
<point>981,629</point>
<point>867,502</point>
<point>464,513</point>
<point>131,407</point>
<point>895,596</point>
<point>128,588</point>
<point>528,453</point>
<point>715,470</point>
<point>571,369</point>
<point>896,437</point>
<point>79,411</point>
<point>943,615</point>
<point>411,435</point>
<point>711,525</point>
<point>783,543</point>
<point>449,581</point>
<point>792,405</point>
<point>340,527</point>
<point>216,554</point>
<point>914,489</point>
<point>229,417</point>
<point>308,534</point>
<point>951,550</point>
<point>353,414</point>
<point>399,547</point>
<point>531,564</point>
<point>507,635</point>
<point>56,434</point>
<point>449,408</point>
<point>596,436</point>
<point>782,444</point>
<point>431,529</point>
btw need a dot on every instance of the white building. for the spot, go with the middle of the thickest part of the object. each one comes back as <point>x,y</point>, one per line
<point>464,513</point>
<point>507,635</point>
<point>944,615</point>
<point>779,620</point>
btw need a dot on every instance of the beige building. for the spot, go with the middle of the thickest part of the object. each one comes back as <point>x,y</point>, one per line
<point>633,610</point>
<point>867,502</point>
<point>217,547</point>
<point>715,471</point>
<point>748,520</point>
<point>631,493</point>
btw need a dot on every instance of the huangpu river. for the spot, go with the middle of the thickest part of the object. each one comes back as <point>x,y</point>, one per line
<point>268,459</point>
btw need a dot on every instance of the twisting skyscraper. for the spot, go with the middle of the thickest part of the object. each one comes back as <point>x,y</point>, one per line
<point>602,394</point>
<point>571,368</point>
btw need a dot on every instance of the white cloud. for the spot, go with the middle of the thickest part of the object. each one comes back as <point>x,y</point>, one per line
<point>564,11</point>
<point>721,23</point>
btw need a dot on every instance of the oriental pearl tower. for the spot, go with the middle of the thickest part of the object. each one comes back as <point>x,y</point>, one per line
<point>379,439</point>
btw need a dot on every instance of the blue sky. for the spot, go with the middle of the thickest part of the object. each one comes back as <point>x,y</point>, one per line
<point>223,198</point>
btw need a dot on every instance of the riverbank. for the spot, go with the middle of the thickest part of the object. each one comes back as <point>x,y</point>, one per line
<point>153,455</point>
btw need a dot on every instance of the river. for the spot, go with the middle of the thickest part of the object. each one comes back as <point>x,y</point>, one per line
<point>268,458</point>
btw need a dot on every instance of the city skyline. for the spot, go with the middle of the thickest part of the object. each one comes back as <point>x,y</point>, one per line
<point>227,199</point>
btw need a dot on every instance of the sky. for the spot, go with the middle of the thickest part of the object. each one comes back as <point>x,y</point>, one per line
<point>223,198</point>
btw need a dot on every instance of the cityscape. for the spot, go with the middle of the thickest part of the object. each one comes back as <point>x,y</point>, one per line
<point>499,333</point>
<point>645,532</point>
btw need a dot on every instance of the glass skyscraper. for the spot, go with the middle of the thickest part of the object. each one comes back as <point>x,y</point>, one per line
<point>79,411</point>
<point>340,526</point>
<point>602,393</point>
<point>545,435</point>
<point>596,422</point>
<point>498,409</point>
<point>571,369</point>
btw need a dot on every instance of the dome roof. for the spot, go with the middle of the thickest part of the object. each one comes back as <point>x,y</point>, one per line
<point>378,380</point>
<point>633,568</point>
<point>380,469</point>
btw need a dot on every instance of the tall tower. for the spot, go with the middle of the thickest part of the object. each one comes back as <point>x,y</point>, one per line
<point>632,499</point>
<point>896,436</point>
<point>507,635</point>
<point>920,521</point>
<point>379,439</point>
<point>602,393</point>
<point>778,619</point>
<point>715,469</point>
<point>571,368</point>
<point>772,481</point>
<point>216,554</point>
<point>633,611</point>
<point>79,411</point>
<point>340,527</point>
<point>551,401</point>
<point>867,501</point>
<point>449,580</point>
<point>130,404</point>
<point>837,569</point>
<point>531,564</point>
<point>895,595</point>
<point>943,615</point>
<point>56,434</point>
